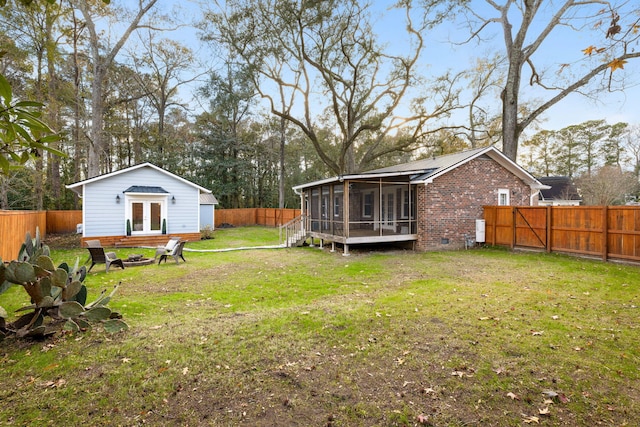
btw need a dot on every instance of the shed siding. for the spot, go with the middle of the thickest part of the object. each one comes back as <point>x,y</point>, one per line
<point>448,207</point>
<point>104,217</point>
<point>206,216</point>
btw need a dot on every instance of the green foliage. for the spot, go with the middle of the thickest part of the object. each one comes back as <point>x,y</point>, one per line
<point>55,292</point>
<point>22,132</point>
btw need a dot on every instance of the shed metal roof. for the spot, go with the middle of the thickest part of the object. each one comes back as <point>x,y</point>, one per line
<point>145,189</point>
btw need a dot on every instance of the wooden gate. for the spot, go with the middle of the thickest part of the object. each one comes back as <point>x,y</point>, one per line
<point>602,231</point>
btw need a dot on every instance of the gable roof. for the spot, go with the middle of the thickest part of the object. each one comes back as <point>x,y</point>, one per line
<point>77,186</point>
<point>426,170</point>
<point>559,188</point>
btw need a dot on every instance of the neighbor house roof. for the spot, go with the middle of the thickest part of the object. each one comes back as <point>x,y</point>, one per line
<point>560,188</point>
<point>426,170</point>
<point>77,186</point>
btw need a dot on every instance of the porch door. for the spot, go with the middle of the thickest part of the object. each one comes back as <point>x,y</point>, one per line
<point>388,208</point>
<point>146,216</point>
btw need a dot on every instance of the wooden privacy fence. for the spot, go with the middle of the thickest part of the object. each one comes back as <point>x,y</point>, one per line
<point>14,225</point>
<point>270,217</point>
<point>609,232</point>
<point>63,221</point>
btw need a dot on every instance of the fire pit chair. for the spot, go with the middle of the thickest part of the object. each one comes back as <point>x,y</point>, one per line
<point>99,256</point>
<point>175,253</point>
<point>166,249</point>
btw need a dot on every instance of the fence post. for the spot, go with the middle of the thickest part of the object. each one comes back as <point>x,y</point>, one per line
<point>513,226</point>
<point>605,232</point>
<point>549,225</point>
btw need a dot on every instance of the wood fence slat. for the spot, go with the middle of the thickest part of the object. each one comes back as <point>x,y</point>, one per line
<point>14,226</point>
<point>269,217</point>
<point>604,231</point>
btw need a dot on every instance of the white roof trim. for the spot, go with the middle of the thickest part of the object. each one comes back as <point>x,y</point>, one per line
<point>78,184</point>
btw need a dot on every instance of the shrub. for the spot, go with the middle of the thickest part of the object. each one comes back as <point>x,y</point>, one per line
<point>206,233</point>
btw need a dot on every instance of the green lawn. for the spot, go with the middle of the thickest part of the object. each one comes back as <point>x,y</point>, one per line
<point>308,337</point>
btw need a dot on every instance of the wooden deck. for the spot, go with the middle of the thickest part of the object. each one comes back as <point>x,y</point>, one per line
<point>139,241</point>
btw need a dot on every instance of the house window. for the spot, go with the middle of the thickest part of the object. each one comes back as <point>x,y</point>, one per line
<point>503,197</point>
<point>367,205</point>
<point>405,204</point>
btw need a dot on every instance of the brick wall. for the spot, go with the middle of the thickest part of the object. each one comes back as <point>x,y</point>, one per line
<point>449,207</point>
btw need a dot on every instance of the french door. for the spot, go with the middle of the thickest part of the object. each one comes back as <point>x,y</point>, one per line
<point>146,216</point>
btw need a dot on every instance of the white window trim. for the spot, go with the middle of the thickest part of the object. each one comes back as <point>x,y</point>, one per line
<point>506,193</point>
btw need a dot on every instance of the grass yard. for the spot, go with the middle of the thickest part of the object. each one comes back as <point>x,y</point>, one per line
<point>306,337</point>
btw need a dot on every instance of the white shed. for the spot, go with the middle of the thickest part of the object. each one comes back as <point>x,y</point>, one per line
<point>142,200</point>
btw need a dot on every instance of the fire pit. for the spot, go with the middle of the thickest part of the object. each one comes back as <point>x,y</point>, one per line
<point>136,260</point>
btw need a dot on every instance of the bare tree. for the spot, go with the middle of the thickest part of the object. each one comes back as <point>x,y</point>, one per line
<point>529,26</point>
<point>101,59</point>
<point>632,146</point>
<point>323,60</point>
<point>608,185</point>
<point>159,70</point>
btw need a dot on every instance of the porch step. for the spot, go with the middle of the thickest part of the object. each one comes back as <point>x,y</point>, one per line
<point>140,241</point>
<point>297,239</point>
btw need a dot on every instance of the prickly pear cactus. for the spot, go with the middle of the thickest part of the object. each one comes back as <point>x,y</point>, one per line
<point>55,292</point>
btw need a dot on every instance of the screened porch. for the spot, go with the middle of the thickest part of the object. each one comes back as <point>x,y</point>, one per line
<point>357,211</point>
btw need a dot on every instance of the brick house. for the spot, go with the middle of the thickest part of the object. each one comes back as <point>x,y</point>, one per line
<point>431,204</point>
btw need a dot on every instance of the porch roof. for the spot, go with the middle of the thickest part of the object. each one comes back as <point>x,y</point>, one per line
<point>145,189</point>
<point>426,170</point>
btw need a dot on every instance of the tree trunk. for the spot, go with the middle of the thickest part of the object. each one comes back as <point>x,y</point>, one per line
<point>96,144</point>
<point>53,113</point>
<point>281,170</point>
<point>510,125</point>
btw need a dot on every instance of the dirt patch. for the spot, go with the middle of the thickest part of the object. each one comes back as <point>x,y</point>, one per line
<point>63,241</point>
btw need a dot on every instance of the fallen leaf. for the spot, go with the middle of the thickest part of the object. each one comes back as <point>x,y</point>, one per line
<point>531,420</point>
<point>544,411</point>
<point>423,419</point>
<point>185,370</point>
<point>55,384</point>
<point>536,333</point>
<point>513,396</point>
